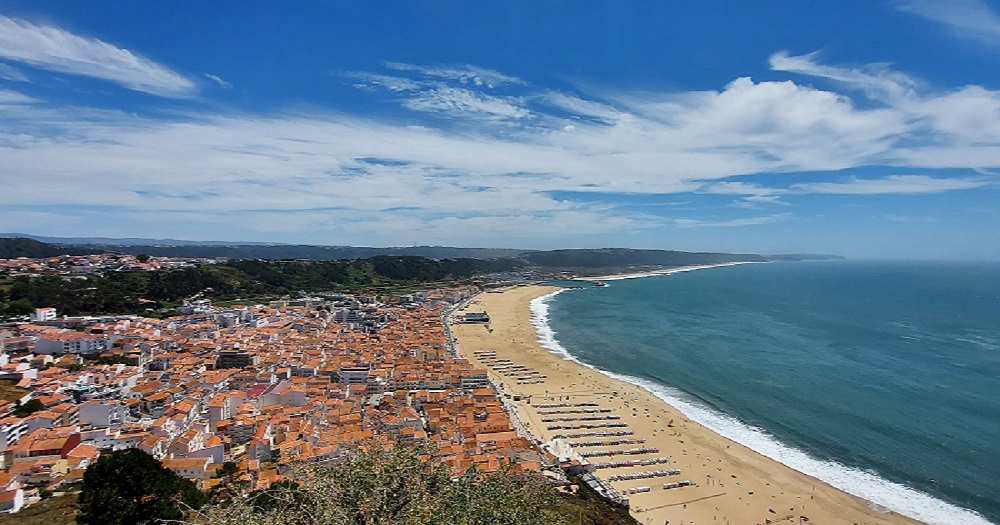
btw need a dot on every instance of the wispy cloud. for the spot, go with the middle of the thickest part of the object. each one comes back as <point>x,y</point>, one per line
<point>879,81</point>
<point>754,195</point>
<point>741,188</point>
<point>907,218</point>
<point>466,74</point>
<point>937,129</point>
<point>389,82</point>
<point>55,49</point>
<point>973,19</point>
<point>218,80</point>
<point>450,94</point>
<point>13,97</point>
<point>733,223</point>
<point>463,102</point>
<point>582,107</point>
<point>902,184</point>
<point>9,72</point>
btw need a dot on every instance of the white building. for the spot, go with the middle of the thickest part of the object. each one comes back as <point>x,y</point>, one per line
<point>43,314</point>
<point>11,430</point>
<point>70,342</point>
<point>102,415</point>
<point>354,375</point>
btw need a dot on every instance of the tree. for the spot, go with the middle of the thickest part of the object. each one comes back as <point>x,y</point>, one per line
<point>142,257</point>
<point>28,408</point>
<point>20,307</point>
<point>232,483</point>
<point>127,487</point>
<point>228,469</point>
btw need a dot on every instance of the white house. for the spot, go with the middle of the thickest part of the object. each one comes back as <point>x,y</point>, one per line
<point>43,314</point>
<point>11,500</point>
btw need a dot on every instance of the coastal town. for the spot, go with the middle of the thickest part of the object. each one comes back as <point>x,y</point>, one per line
<point>256,392</point>
<point>247,395</point>
<point>266,387</point>
<point>80,266</point>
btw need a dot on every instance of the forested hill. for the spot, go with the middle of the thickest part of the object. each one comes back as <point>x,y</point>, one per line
<point>12,248</point>
<point>568,258</point>
<point>118,292</point>
<point>173,248</point>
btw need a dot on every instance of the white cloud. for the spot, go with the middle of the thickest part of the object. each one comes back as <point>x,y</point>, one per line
<point>13,97</point>
<point>959,128</point>
<point>970,115</point>
<point>218,80</point>
<point>768,126</point>
<point>392,83</point>
<point>905,184</point>
<point>457,101</point>
<point>879,81</point>
<point>9,72</point>
<point>496,162</point>
<point>741,188</point>
<point>966,18</point>
<point>755,195</point>
<point>54,49</point>
<point>463,102</point>
<point>582,107</point>
<point>733,223</point>
<point>907,218</point>
<point>466,74</point>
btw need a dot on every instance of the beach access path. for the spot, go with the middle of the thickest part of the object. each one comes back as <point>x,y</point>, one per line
<point>730,484</point>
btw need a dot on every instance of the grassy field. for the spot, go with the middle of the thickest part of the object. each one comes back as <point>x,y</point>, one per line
<point>586,507</point>
<point>9,392</point>
<point>59,510</point>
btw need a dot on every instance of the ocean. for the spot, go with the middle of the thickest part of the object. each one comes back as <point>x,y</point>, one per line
<point>880,378</point>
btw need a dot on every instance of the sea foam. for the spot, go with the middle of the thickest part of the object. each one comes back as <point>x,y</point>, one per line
<point>880,492</point>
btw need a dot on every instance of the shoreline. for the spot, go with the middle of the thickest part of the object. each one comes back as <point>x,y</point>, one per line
<point>877,492</point>
<point>662,271</point>
<point>738,486</point>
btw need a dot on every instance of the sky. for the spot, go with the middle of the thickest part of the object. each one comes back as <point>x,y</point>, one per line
<point>868,129</point>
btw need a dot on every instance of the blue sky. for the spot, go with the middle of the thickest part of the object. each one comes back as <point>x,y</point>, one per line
<point>862,128</point>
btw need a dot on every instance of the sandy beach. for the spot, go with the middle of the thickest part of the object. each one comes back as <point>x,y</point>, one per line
<point>662,271</point>
<point>731,484</point>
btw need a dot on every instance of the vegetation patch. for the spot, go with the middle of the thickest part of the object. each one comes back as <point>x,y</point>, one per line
<point>9,390</point>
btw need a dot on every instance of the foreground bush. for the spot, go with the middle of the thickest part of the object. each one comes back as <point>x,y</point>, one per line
<point>395,487</point>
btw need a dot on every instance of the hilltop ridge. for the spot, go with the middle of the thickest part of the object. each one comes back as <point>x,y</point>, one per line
<point>559,258</point>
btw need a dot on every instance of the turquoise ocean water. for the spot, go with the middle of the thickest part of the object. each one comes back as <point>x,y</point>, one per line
<point>881,378</point>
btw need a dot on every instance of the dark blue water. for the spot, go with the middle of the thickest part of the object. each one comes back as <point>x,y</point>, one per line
<point>890,370</point>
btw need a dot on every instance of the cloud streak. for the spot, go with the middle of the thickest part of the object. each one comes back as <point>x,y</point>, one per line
<point>971,19</point>
<point>218,80</point>
<point>877,80</point>
<point>733,223</point>
<point>8,72</point>
<point>465,74</point>
<point>894,184</point>
<point>449,101</point>
<point>54,49</point>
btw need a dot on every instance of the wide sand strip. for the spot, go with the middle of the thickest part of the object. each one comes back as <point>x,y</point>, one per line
<point>730,483</point>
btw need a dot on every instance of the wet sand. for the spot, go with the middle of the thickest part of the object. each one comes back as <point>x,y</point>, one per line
<point>731,484</point>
